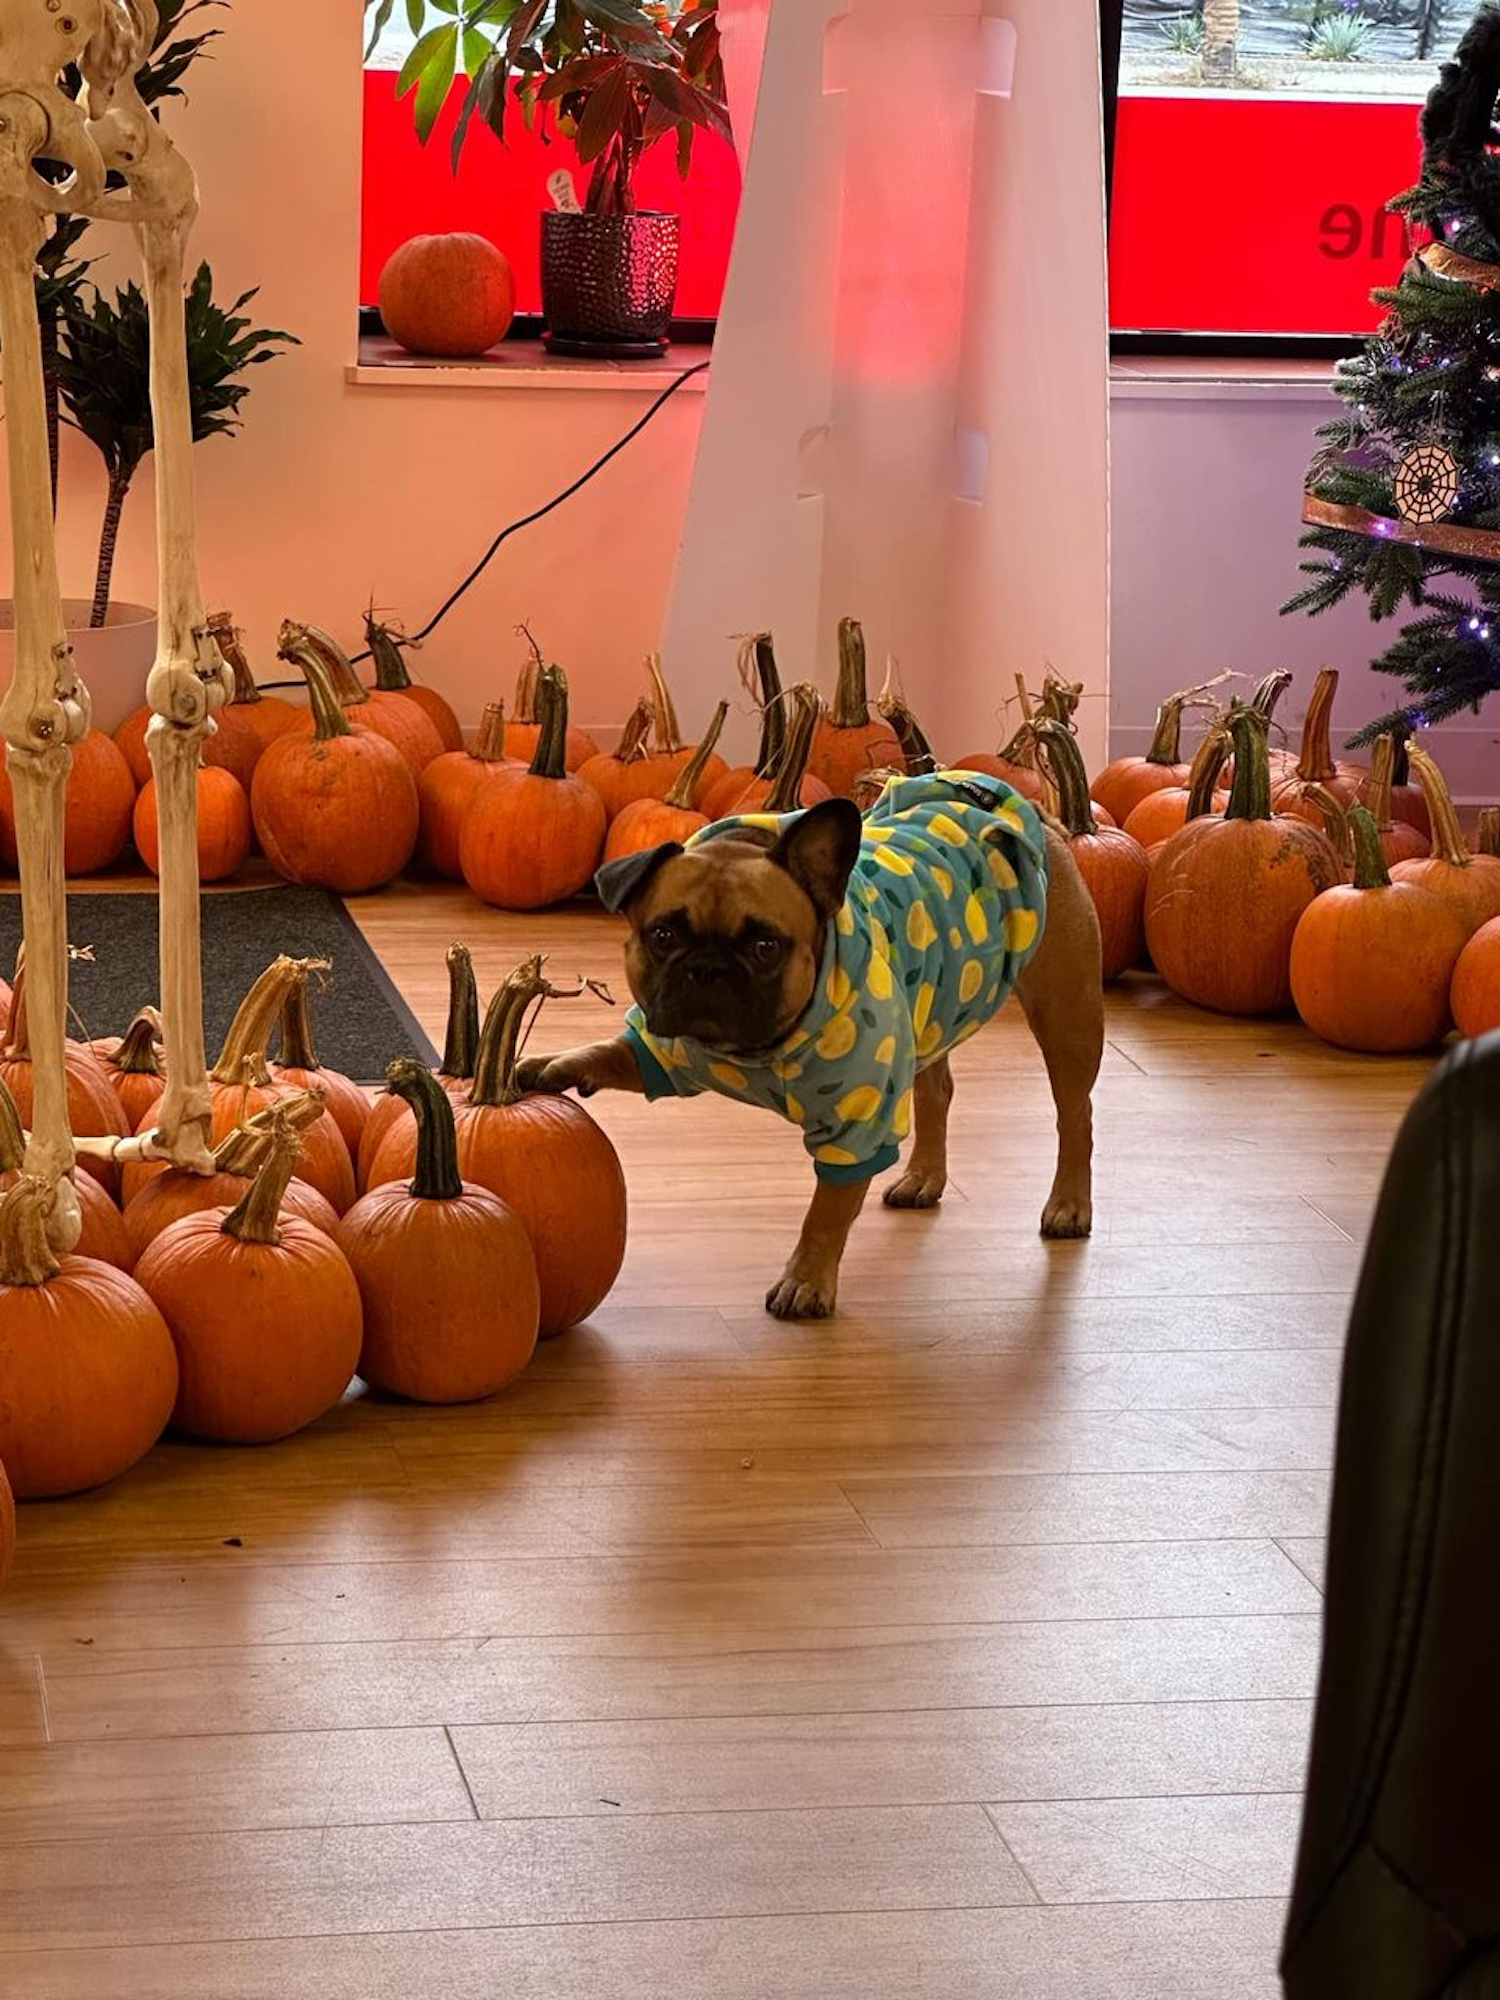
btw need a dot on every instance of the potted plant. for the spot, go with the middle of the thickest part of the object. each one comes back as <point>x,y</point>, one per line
<point>612,76</point>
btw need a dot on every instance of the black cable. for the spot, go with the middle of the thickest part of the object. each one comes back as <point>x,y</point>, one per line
<point>416,638</point>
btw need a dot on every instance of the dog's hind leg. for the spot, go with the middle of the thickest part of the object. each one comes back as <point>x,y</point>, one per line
<point>926,1176</point>
<point>1062,993</point>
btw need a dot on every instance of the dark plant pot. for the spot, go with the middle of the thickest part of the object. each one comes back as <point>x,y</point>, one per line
<point>609,282</point>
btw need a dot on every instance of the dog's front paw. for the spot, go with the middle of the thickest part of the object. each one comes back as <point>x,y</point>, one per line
<point>551,1076</point>
<point>1068,1216</point>
<point>799,1296</point>
<point>916,1189</point>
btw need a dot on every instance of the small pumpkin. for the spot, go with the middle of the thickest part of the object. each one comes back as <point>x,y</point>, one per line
<point>850,741</point>
<point>531,838</point>
<point>263,1311</point>
<point>444,1269</point>
<point>393,677</point>
<point>1161,814</point>
<point>446,789</point>
<point>1121,786</point>
<point>1372,962</point>
<point>652,822</point>
<point>1468,883</point>
<point>1401,839</point>
<point>401,722</point>
<point>266,716</point>
<point>102,1234</point>
<point>132,1062</point>
<point>453,294</point>
<point>545,1158</point>
<point>1316,769</point>
<point>297,1066</point>
<point>1226,892</point>
<point>455,1072</point>
<point>625,774</point>
<point>94,1111</point>
<point>1475,993</point>
<point>523,731</point>
<point>230,746</point>
<point>1112,863</point>
<point>88,1373</point>
<point>100,800</point>
<point>338,808</point>
<point>224,832</point>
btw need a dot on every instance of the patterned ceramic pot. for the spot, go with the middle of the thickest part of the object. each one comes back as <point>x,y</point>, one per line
<point>609,282</point>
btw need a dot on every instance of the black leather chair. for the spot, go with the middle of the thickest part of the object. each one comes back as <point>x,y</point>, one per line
<point>1397,1893</point>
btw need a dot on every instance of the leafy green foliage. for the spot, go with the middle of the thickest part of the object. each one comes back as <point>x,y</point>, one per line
<point>1341,37</point>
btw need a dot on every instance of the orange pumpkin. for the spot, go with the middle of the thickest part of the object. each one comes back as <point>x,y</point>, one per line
<point>93,1109</point>
<point>337,809</point>
<point>1161,814</point>
<point>653,822</point>
<point>523,732</point>
<point>401,722</point>
<point>1475,993</point>
<point>446,789</point>
<point>1468,883</point>
<point>626,773</point>
<point>453,294</point>
<point>88,1374</point>
<point>444,1269</point>
<point>1401,839</point>
<point>545,1157</point>
<point>790,783</point>
<point>102,1235</point>
<point>7,1526</point>
<point>456,1071</point>
<point>1112,864</point>
<point>266,716</point>
<point>100,800</point>
<point>1316,770</point>
<point>133,1066</point>
<point>1226,894</point>
<point>298,1068</point>
<point>223,826</point>
<point>263,1310</point>
<point>230,746</point>
<point>392,677</point>
<point>849,741</point>
<point>1372,962</point>
<point>534,837</point>
<point>1121,786</point>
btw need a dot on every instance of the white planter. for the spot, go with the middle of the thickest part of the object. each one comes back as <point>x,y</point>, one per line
<point>113,659</point>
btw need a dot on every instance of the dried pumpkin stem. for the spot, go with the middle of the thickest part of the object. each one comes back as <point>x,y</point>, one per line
<point>668,733</point>
<point>329,719</point>
<point>1401,762</point>
<point>245,1150</point>
<point>437,1177</point>
<point>297,1048</point>
<point>12,1134</point>
<point>230,641</point>
<point>1060,698</point>
<point>762,679</point>
<point>489,742</point>
<point>551,759</point>
<point>1207,767</point>
<point>504,1028</point>
<point>785,794</point>
<point>1335,822</point>
<point>17,1028</point>
<point>851,699</point>
<point>137,1054</point>
<point>635,736</point>
<point>243,1056</point>
<point>1382,778</point>
<point>915,748</point>
<point>1489,831</point>
<point>389,660</point>
<point>1315,765</point>
<point>304,645</point>
<point>1166,741</point>
<point>254,1218</point>
<point>1370,869</point>
<point>1251,796</point>
<point>1269,691</point>
<point>1065,759</point>
<point>690,776</point>
<point>462,1043</point>
<point>1448,843</point>
<point>26,1256</point>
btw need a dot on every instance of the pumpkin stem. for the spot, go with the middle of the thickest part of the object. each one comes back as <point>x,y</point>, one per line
<point>230,641</point>
<point>762,681</point>
<point>17,1030</point>
<point>137,1053</point>
<point>851,698</point>
<point>242,1060</point>
<point>1401,764</point>
<point>244,1150</point>
<point>301,644</point>
<point>1269,691</point>
<point>1335,822</point>
<point>1021,749</point>
<point>1382,777</point>
<point>489,743</point>
<point>462,1044</point>
<point>1316,765</point>
<point>631,747</point>
<point>1075,807</point>
<point>1208,763</point>
<point>785,794</point>
<point>1060,698</point>
<point>329,719</point>
<point>26,1256</point>
<point>525,703</point>
<point>437,1177</point>
<point>12,1134</point>
<point>668,733</point>
<point>390,661</point>
<point>504,1024</point>
<point>691,774</point>
<point>1448,842</point>
<point>915,748</point>
<point>297,1049</point>
<point>1251,796</point>
<point>1166,743</point>
<point>1370,869</point>
<point>551,759</point>
<point>254,1218</point>
<point>1489,831</point>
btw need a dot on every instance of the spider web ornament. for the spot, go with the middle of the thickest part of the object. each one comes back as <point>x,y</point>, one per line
<point>1427,484</point>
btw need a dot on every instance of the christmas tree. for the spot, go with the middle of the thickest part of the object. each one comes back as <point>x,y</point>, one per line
<point>1403,497</point>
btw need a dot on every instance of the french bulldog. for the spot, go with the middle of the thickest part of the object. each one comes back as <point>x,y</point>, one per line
<point>824,965</point>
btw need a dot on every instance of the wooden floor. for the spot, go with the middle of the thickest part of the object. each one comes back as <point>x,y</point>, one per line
<point>959,1648</point>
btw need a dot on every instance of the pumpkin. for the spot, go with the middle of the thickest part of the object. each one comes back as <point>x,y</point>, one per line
<point>446,789</point>
<point>100,800</point>
<point>653,822</point>
<point>1161,814</point>
<point>1468,883</point>
<point>445,1271</point>
<point>336,809</point>
<point>7,1526</point>
<point>88,1374</point>
<point>392,716</point>
<point>456,1071</point>
<point>1475,993</point>
<point>790,783</point>
<point>393,678</point>
<point>626,773</point>
<point>544,1157</point>
<point>534,837</point>
<point>453,294</point>
<point>523,731</point>
<point>231,745</point>
<point>849,741</point>
<point>263,1311</point>
<point>1401,839</point>
<point>223,826</point>
<point>93,1109</point>
<point>169,1196</point>
<point>266,716</point>
<point>1226,893</point>
<point>1315,769</point>
<point>1121,786</point>
<point>102,1233</point>
<point>1112,864</point>
<point>133,1065</point>
<point>1372,962</point>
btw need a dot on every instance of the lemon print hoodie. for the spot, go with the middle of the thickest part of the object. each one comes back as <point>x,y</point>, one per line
<point>946,904</point>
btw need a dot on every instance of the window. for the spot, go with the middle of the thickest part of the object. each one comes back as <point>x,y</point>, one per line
<point>1257,143</point>
<point>500,190</point>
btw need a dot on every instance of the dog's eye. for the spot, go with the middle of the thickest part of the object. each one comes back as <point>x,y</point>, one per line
<point>768,950</point>
<point>661,937</point>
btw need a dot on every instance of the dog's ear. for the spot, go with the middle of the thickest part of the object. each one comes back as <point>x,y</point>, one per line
<point>819,851</point>
<point>620,882</point>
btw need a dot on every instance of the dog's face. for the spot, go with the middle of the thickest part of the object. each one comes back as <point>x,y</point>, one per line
<point>727,941</point>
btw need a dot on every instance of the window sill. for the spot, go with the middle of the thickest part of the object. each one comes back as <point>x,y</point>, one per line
<point>519,364</point>
<point>1191,378</point>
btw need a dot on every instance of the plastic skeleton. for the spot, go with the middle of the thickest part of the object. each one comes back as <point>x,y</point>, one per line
<point>107,131</point>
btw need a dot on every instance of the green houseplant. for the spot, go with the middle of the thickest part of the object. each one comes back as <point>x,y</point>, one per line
<point>612,76</point>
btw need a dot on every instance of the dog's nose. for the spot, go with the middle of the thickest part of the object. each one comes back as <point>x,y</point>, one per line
<point>703,968</point>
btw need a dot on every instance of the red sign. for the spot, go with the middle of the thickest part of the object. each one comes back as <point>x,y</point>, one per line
<point>1257,215</point>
